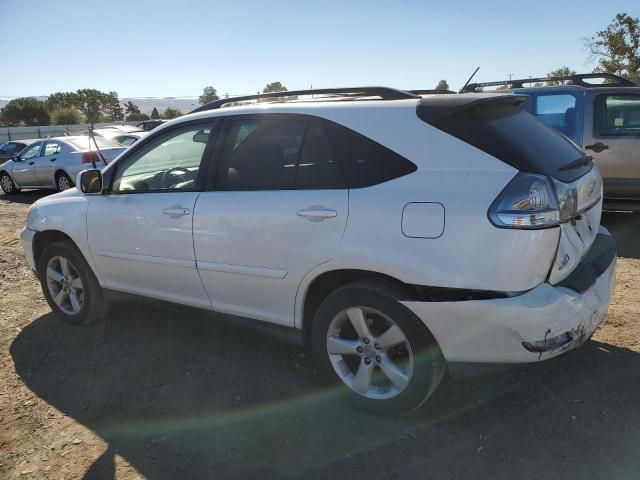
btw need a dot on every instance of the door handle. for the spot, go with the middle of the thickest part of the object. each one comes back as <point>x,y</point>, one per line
<point>30,163</point>
<point>597,147</point>
<point>317,213</point>
<point>52,160</point>
<point>176,211</point>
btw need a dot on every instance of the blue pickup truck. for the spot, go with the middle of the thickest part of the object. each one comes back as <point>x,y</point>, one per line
<point>602,118</point>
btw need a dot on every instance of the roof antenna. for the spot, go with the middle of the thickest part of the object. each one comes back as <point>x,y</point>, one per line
<point>470,78</point>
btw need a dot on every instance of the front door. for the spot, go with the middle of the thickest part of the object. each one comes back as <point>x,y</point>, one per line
<point>614,142</point>
<point>280,210</point>
<point>140,231</point>
<point>24,170</point>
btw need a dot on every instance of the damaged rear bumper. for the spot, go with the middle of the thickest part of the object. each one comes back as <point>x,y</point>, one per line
<point>539,324</point>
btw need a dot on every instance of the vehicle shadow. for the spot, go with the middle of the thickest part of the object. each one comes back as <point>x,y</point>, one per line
<point>184,396</point>
<point>26,196</point>
<point>625,227</point>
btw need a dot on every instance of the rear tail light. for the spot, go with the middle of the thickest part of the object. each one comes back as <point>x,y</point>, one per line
<point>532,201</point>
<point>89,157</point>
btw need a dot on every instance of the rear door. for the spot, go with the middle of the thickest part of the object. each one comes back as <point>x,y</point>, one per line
<point>278,209</point>
<point>24,170</point>
<point>612,137</point>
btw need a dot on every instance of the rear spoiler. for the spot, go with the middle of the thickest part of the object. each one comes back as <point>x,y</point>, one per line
<point>434,109</point>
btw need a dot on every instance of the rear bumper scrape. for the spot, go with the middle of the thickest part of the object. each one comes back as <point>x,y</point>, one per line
<point>539,324</point>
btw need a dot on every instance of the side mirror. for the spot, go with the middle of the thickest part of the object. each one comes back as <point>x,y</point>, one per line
<point>201,137</point>
<point>15,158</point>
<point>89,181</point>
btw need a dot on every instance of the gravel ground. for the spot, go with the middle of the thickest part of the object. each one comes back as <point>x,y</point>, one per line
<point>170,394</point>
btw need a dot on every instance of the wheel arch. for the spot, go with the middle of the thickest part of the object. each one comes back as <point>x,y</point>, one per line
<point>62,171</point>
<point>326,282</point>
<point>46,237</point>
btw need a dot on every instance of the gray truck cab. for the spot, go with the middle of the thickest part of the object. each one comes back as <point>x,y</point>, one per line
<point>602,118</point>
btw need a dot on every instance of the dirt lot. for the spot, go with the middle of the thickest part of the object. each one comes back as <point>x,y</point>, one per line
<point>165,394</point>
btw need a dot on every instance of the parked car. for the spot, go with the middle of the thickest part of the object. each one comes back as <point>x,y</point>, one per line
<point>129,139</point>
<point>348,223</point>
<point>602,118</point>
<point>148,125</point>
<point>13,147</point>
<point>112,131</point>
<point>53,163</point>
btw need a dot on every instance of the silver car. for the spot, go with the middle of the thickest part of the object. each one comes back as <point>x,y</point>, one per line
<point>54,163</point>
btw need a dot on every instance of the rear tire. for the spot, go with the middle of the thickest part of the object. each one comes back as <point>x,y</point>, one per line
<point>403,364</point>
<point>63,182</point>
<point>7,185</point>
<point>69,285</point>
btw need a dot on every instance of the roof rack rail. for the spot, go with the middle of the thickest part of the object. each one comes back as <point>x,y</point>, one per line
<point>577,79</point>
<point>385,93</point>
<point>430,92</point>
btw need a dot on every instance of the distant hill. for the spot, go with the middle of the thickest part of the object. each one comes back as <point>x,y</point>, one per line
<point>184,104</point>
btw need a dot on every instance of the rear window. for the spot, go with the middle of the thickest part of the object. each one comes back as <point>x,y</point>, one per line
<point>558,111</point>
<point>83,143</point>
<point>501,128</point>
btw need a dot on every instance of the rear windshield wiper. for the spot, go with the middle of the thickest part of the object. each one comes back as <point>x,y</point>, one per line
<point>577,163</point>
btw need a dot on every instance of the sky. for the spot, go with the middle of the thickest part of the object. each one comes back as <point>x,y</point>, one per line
<point>164,48</point>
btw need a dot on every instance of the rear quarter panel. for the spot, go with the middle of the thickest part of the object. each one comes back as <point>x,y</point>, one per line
<point>471,253</point>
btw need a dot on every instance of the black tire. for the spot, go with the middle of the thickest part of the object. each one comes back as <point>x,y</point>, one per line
<point>7,184</point>
<point>429,365</point>
<point>62,177</point>
<point>94,306</point>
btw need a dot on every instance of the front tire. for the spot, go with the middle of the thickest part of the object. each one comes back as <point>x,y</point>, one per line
<point>69,285</point>
<point>63,182</point>
<point>7,185</point>
<point>381,353</point>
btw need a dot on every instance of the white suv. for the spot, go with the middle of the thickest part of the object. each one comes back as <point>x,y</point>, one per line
<point>400,235</point>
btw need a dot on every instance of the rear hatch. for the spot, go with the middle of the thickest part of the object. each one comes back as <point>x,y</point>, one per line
<point>498,125</point>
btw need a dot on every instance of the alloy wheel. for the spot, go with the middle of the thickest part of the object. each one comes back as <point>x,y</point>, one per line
<point>6,183</point>
<point>63,183</point>
<point>370,353</point>
<point>65,285</point>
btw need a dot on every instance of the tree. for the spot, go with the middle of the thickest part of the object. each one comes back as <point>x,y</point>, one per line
<point>442,85</point>
<point>60,100</point>
<point>170,113</point>
<point>114,109</point>
<point>26,110</point>
<point>617,48</point>
<point>66,116</point>
<point>92,103</point>
<point>560,72</point>
<point>274,87</point>
<point>131,108</point>
<point>154,114</point>
<point>137,117</point>
<point>209,94</point>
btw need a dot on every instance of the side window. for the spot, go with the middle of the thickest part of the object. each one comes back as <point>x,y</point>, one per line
<point>168,163</point>
<point>363,161</point>
<point>277,154</point>
<point>558,111</point>
<point>31,152</point>
<point>125,140</point>
<point>617,115</point>
<point>51,148</point>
